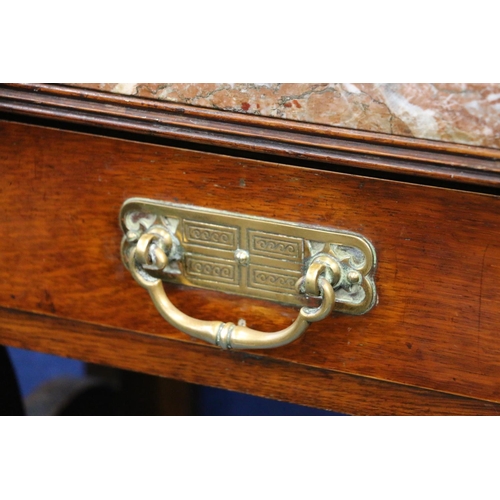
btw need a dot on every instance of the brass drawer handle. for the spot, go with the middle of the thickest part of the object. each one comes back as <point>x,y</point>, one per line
<point>225,335</point>
<point>162,241</point>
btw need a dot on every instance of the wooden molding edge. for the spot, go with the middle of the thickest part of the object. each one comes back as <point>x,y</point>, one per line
<point>239,371</point>
<point>355,149</point>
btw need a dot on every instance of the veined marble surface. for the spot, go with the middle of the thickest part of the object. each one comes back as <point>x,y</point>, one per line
<point>463,113</point>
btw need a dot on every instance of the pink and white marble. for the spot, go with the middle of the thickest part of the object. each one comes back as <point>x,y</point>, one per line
<point>454,112</point>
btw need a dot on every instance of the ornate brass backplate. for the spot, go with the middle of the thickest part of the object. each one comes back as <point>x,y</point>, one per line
<point>251,256</point>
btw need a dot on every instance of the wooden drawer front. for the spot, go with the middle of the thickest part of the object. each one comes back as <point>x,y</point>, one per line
<point>434,327</point>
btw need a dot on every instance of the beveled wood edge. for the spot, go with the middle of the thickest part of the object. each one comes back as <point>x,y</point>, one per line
<point>333,145</point>
<point>262,121</point>
<point>238,371</point>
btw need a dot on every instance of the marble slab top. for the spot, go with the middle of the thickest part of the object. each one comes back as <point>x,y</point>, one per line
<point>461,113</point>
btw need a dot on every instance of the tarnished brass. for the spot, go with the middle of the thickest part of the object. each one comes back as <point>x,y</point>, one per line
<point>245,255</point>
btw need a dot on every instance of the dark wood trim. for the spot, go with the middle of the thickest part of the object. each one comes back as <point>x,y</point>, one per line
<point>261,121</point>
<point>367,151</point>
<point>239,371</point>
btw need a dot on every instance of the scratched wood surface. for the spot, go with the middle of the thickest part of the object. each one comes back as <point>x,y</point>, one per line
<point>435,326</point>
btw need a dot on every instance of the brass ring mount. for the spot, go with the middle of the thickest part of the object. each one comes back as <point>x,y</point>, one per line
<point>225,335</point>
<point>244,255</point>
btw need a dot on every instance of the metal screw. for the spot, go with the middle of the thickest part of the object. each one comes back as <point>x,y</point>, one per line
<point>242,257</point>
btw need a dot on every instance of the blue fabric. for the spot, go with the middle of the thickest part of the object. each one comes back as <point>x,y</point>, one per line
<point>33,368</point>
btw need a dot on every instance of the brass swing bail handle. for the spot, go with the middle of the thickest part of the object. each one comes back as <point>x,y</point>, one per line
<point>152,251</point>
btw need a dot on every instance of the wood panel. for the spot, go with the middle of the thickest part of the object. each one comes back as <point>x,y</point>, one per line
<point>434,326</point>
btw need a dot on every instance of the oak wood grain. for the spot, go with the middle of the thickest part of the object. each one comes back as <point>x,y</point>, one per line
<point>434,328</point>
